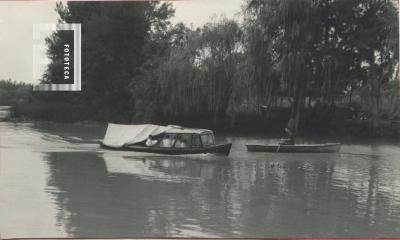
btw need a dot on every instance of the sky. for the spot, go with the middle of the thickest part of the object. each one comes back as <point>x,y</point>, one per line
<point>17,19</point>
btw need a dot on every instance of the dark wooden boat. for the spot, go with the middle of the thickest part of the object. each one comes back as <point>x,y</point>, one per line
<point>170,140</point>
<point>222,149</point>
<point>297,148</point>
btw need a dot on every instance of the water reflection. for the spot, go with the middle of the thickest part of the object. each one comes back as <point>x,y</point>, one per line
<point>163,168</point>
<point>109,195</point>
<point>119,194</point>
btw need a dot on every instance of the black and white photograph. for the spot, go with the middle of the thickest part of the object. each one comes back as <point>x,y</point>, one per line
<point>199,119</point>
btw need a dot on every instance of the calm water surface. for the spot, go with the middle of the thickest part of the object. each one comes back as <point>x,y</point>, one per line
<point>56,182</point>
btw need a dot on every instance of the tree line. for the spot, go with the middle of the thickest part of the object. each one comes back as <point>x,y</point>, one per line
<point>286,59</point>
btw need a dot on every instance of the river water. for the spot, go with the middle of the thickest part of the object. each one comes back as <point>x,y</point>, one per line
<point>56,182</point>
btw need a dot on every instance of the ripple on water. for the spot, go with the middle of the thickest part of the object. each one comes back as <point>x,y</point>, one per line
<point>82,190</point>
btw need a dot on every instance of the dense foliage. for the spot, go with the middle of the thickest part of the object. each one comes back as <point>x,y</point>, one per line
<point>13,93</point>
<point>288,58</point>
<point>115,39</point>
<point>286,51</point>
<point>319,49</point>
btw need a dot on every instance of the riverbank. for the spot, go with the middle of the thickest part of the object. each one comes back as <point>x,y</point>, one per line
<point>245,117</point>
<point>255,124</point>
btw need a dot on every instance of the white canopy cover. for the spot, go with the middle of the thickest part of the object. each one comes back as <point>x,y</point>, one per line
<point>118,135</point>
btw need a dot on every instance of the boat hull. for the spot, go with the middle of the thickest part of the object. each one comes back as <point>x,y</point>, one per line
<point>300,148</point>
<point>222,149</point>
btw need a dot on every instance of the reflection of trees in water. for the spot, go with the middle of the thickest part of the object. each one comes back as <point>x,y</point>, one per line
<point>98,203</point>
<point>303,198</point>
<point>84,192</point>
<point>166,168</point>
<point>372,182</point>
<point>380,207</point>
<point>326,197</point>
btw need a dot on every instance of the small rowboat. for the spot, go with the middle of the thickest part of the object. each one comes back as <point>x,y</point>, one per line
<point>297,148</point>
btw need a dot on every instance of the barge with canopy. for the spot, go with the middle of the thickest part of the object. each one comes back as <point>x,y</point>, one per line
<point>171,140</point>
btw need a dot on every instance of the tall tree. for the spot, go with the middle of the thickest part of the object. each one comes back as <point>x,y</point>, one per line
<point>113,37</point>
<point>287,33</point>
<point>322,47</point>
<point>194,80</point>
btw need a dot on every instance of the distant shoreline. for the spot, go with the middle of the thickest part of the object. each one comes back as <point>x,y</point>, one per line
<point>271,133</point>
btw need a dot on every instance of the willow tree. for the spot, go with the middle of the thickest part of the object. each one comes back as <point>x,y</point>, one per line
<point>177,78</point>
<point>220,51</point>
<point>284,37</point>
<point>193,82</point>
<point>262,43</point>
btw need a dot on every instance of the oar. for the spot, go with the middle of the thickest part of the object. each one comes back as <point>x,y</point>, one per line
<point>279,146</point>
